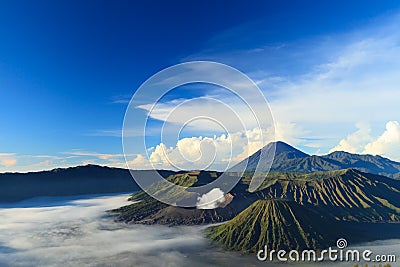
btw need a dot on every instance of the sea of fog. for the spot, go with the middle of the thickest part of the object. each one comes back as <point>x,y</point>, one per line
<point>75,231</point>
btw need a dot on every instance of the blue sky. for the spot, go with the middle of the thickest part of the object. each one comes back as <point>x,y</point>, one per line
<point>68,70</point>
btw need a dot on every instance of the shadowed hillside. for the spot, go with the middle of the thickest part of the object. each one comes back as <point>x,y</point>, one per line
<point>89,179</point>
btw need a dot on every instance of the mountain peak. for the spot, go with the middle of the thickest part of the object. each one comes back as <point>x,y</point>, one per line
<point>282,147</point>
<point>282,152</point>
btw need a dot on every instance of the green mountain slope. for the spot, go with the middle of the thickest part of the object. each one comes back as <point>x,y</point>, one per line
<point>346,195</point>
<point>283,224</point>
<point>278,224</point>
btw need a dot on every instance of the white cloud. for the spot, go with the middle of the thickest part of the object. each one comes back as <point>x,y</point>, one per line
<point>356,141</point>
<point>193,153</point>
<point>138,162</point>
<point>217,153</point>
<point>387,144</point>
<point>362,79</point>
<point>211,200</point>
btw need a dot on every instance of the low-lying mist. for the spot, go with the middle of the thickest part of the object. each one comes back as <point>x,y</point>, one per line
<point>75,231</point>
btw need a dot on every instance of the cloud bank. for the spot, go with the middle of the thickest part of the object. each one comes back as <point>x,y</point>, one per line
<point>74,232</point>
<point>386,144</point>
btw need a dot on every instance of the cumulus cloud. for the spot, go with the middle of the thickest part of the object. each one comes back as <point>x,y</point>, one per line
<point>193,153</point>
<point>211,200</point>
<point>356,141</point>
<point>386,144</point>
<point>217,153</point>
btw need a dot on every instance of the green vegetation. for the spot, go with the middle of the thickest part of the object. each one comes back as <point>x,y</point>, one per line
<point>348,195</point>
<point>278,224</point>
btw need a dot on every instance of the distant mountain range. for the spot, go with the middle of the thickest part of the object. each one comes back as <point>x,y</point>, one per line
<point>97,179</point>
<point>89,179</point>
<point>290,159</point>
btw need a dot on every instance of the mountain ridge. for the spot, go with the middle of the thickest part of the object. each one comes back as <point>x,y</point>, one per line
<point>295,160</point>
<point>80,180</point>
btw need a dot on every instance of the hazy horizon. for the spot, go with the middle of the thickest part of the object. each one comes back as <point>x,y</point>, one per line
<point>149,168</point>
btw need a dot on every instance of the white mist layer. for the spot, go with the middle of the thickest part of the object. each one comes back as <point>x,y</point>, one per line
<point>75,232</point>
